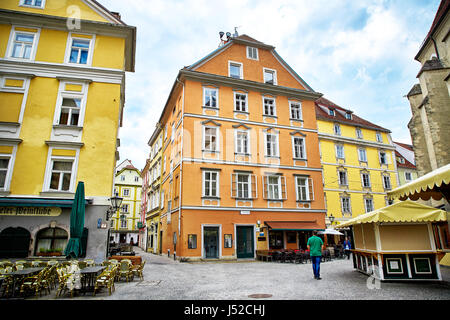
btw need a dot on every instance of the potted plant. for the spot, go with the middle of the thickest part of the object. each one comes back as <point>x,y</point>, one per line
<point>49,252</point>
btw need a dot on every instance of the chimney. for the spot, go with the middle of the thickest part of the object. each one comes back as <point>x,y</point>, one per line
<point>116,14</point>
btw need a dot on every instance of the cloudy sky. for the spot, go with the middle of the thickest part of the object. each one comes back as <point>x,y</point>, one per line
<point>359,54</point>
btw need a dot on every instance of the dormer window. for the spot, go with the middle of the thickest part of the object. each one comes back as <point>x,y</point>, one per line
<point>235,70</point>
<point>331,112</point>
<point>252,53</point>
<point>33,3</point>
<point>348,116</point>
<point>270,76</point>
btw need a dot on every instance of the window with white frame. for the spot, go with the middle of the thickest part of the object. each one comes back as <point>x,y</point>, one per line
<point>252,53</point>
<point>340,151</point>
<point>243,185</point>
<point>365,179</point>
<point>270,76</point>
<point>33,3</point>
<point>331,112</point>
<point>123,223</point>
<point>337,129</point>
<point>4,167</point>
<point>172,133</point>
<point>210,97</point>
<point>346,205</point>
<point>304,188</point>
<point>368,204</point>
<point>386,181</point>
<point>383,157</point>
<point>348,116</point>
<point>359,133</point>
<point>80,50</point>
<point>125,208</point>
<point>235,70</point>
<point>274,187</point>
<point>61,174</point>
<point>70,111</point>
<point>362,154</point>
<point>23,45</point>
<point>242,142</point>
<point>210,136</point>
<point>408,176</point>
<point>298,144</point>
<point>210,184</point>
<point>342,178</point>
<point>240,102</point>
<point>296,110</point>
<point>271,145</point>
<point>269,107</point>
<point>126,192</point>
<point>379,137</point>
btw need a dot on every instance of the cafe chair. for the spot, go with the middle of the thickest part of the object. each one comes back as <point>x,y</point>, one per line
<point>34,283</point>
<point>82,264</point>
<point>36,263</point>
<point>105,280</point>
<point>89,262</point>
<point>125,270</point>
<point>63,278</point>
<point>138,270</point>
<point>7,281</point>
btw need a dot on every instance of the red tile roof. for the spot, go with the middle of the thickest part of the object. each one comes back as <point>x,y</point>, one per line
<point>407,164</point>
<point>340,116</point>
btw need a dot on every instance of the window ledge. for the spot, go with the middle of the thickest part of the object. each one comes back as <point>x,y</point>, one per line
<point>245,112</point>
<point>67,127</point>
<point>208,107</point>
<point>270,116</point>
<point>304,201</point>
<point>300,120</point>
<point>301,159</point>
<point>211,151</point>
<point>211,198</point>
<point>58,194</point>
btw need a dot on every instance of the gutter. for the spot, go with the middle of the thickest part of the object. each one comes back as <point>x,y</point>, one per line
<point>181,164</point>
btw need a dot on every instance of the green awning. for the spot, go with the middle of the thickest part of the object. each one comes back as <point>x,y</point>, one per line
<point>37,202</point>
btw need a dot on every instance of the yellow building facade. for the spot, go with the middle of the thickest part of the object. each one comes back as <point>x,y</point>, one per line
<point>124,222</point>
<point>61,104</point>
<point>358,160</point>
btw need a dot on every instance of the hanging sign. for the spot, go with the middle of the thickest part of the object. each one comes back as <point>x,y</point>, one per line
<point>30,211</point>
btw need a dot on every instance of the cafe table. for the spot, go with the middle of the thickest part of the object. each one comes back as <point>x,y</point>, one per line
<point>22,274</point>
<point>88,277</point>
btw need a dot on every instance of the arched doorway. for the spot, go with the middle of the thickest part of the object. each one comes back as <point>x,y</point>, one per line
<point>14,243</point>
<point>51,240</point>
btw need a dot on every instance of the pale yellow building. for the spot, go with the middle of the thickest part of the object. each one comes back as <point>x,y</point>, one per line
<point>128,185</point>
<point>62,84</point>
<point>358,160</point>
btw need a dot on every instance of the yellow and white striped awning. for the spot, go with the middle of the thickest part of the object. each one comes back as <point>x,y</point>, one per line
<point>404,211</point>
<point>435,184</point>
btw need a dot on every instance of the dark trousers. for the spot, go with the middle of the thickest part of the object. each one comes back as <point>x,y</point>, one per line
<point>316,266</point>
<point>347,252</point>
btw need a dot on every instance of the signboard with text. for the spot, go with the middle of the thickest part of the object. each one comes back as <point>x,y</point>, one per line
<point>30,211</point>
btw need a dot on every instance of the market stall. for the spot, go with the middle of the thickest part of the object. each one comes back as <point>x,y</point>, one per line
<point>398,242</point>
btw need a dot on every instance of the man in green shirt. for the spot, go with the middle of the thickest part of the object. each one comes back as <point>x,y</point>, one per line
<point>315,245</point>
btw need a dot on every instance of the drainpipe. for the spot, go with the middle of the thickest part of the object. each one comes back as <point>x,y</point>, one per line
<point>436,48</point>
<point>181,164</point>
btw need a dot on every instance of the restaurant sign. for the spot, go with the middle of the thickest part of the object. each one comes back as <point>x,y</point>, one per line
<point>30,211</point>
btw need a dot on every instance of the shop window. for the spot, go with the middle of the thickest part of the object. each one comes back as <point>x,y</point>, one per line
<point>192,241</point>
<point>51,239</point>
<point>276,240</point>
<point>291,237</point>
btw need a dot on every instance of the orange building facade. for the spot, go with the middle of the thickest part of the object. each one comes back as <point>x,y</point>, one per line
<point>241,166</point>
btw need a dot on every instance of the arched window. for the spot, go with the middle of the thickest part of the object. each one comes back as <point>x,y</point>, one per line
<point>51,239</point>
<point>14,242</point>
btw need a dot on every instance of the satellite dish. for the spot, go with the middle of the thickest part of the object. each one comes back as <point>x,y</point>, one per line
<point>221,33</point>
<point>228,34</point>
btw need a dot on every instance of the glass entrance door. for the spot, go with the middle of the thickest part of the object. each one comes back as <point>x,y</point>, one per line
<point>211,242</point>
<point>245,242</point>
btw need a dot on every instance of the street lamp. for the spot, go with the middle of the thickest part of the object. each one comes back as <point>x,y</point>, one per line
<point>116,202</point>
<point>331,219</point>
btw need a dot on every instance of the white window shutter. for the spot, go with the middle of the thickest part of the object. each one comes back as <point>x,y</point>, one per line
<point>234,185</point>
<point>264,185</point>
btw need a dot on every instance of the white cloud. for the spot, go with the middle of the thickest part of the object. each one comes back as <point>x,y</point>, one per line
<point>358,53</point>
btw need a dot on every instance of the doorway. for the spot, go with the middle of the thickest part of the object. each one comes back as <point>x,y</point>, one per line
<point>14,243</point>
<point>211,242</point>
<point>245,242</point>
